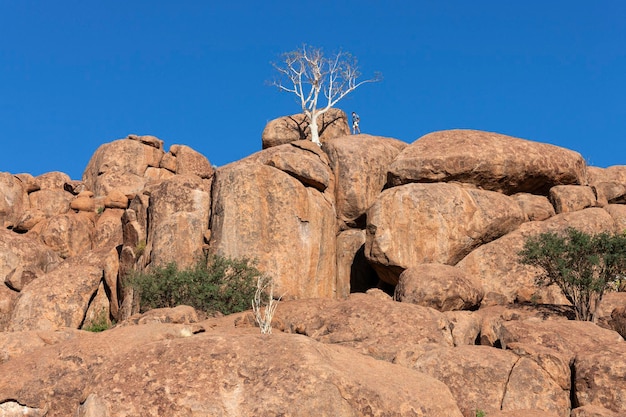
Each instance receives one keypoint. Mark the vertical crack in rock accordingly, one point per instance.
(506, 384)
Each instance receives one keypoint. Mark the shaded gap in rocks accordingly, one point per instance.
(362, 275)
(477, 340)
(82, 322)
(573, 398)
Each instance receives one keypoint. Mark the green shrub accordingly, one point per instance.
(583, 266)
(480, 413)
(99, 323)
(211, 285)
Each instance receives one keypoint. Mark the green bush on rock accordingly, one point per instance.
(214, 284)
(583, 266)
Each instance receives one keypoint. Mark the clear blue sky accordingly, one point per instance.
(77, 74)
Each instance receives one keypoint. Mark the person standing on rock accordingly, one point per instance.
(355, 123)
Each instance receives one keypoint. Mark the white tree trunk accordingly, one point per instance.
(315, 137)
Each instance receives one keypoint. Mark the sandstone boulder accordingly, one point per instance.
(53, 180)
(84, 202)
(61, 297)
(566, 198)
(121, 165)
(68, 234)
(261, 212)
(12, 200)
(381, 328)
(593, 411)
(615, 173)
(332, 124)
(147, 374)
(360, 164)
(191, 162)
(504, 279)
(178, 217)
(535, 207)
(492, 161)
(618, 213)
(609, 193)
(434, 223)
(50, 201)
(442, 287)
(601, 377)
(23, 259)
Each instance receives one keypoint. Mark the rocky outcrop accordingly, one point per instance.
(360, 164)
(280, 217)
(286, 129)
(492, 161)
(442, 287)
(146, 374)
(434, 223)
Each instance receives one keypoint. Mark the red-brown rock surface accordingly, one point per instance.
(490, 160)
(286, 129)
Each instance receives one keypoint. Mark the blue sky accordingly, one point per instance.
(77, 74)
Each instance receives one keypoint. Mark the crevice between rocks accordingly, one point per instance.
(506, 384)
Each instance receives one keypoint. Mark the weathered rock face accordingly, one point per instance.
(146, 374)
(601, 377)
(332, 124)
(380, 328)
(69, 234)
(12, 200)
(190, 162)
(493, 161)
(264, 213)
(534, 207)
(504, 279)
(61, 297)
(442, 287)
(567, 198)
(178, 218)
(121, 165)
(360, 164)
(433, 223)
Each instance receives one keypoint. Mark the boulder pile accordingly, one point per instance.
(402, 291)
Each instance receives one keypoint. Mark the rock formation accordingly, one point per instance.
(341, 228)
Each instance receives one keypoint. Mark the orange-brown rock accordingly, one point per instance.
(601, 377)
(191, 162)
(116, 199)
(84, 202)
(50, 201)
(142, 370)
(264, 213)
(566, 198)
(504, 279)
(61, 297)
(593, 411)
(535, 207)
(610, 193)
(615, 173)
(23, 259)
(354, 273)
(360, 164)
(121, 165)
(177, 219)
(69, 234)
(374, 326)
(29, 183)
(53, 180)
(618, 212)
(12, 200)
(332, 124)
(490, 160)
(442, 287)
(434, 223)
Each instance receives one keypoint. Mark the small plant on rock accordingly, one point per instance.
(214, 284)
(583, 266)
(99, 323)
(263, 304)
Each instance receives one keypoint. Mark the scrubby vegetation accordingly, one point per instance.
(583, 266)
(214, 284)
(99, 323)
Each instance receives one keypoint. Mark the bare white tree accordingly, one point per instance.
(263, 304)
(315, 78)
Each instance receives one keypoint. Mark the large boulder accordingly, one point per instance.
(442, 287)
(504, 279)
(121, 165)
(374, 326)
(61, 297)
(490, 160)
(566, 198)
(190, 162)
(280, 217)
(178, 217)
(69, 234)
(23, 259)
(12, 200)
(286, 129)
(159, 370)
(601, 377)
(360, 164)
(434, 223)
(490, 379)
